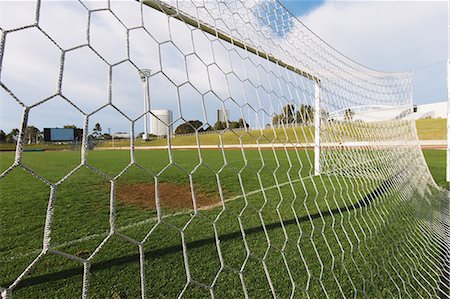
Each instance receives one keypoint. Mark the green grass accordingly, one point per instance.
(303, 134)
(338, 241)
(436, 162)
(427, 129)
(432, 129)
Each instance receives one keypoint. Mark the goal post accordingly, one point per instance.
(280, 167)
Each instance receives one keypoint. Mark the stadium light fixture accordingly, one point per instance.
(145, 74)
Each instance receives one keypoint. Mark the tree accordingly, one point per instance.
(288, 113)
(97, 127)
(2, 136)
(234, 124)
(242, 123)
(189, 127)
(238, 124)
(348, 114)
(73, 127)
(97, 130)
(276, 119)
(12, 136)
(220, 125)
(286, 117)
(305, 115)
(32, 134)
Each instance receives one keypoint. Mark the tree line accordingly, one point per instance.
(303, 115)
(32, 134)
(192, 126)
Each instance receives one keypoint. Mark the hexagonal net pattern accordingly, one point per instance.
(270, 165)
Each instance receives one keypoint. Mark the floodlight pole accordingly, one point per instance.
(317, 123)
(145, 74)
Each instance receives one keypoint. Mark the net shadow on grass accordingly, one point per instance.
(363, 202)
(444, 277)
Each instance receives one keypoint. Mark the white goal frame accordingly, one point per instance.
(164, 8)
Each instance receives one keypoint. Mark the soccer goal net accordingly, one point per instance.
(247, 158)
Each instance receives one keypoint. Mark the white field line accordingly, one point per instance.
(389, 144)
(150, 220)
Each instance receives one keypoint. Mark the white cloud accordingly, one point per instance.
(14, 16)
(65, 22)
(30, 65)
(391, 36)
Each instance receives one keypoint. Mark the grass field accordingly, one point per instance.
(427, 129)
(306, 231)
(432, 129)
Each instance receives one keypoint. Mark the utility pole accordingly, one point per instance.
(145, 74)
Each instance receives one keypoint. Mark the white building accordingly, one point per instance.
(160, 121)
(124, 135)
(433, 110)
(384, 113)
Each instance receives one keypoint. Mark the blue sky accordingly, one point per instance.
(301, 7)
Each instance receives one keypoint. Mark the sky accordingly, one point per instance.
(302, 7)
(392, 36)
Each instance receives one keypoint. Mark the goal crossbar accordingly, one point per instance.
(182, 16)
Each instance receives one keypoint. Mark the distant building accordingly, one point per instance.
(433, 110)
(384, 113)
(63, 134)
(160, 121)
(223, 115)
(124, 135)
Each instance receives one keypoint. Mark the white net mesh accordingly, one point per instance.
(234, 194)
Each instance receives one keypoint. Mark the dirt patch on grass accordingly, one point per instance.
(172, 196)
